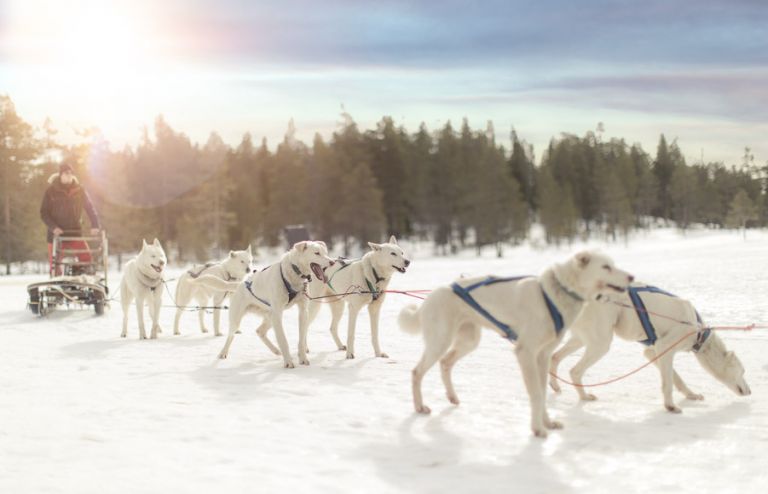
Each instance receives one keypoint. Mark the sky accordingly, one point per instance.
(694, 71)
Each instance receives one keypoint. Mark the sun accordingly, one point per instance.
(97, 57)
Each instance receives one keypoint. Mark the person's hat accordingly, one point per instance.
(65, 167)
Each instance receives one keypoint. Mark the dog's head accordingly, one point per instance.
(724, 365)
(238, 263)
(152, 257)
(312, 256)
(389, 256)
(594, 274)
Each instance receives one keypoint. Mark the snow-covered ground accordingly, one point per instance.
(84, 411)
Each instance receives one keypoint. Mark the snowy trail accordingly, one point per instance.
(84, 411)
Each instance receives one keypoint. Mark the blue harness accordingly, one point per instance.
(463, 293)
(645, 319)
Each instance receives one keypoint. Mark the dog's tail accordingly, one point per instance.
(215, 282)
(409, 319)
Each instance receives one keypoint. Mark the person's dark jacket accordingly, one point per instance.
(63, 207)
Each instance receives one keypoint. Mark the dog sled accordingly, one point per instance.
(78, 276)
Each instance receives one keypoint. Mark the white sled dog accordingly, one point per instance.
(636, 319)
(370, 275)
(143, 280)
(235, 267)
(533, 311)
(270, 292)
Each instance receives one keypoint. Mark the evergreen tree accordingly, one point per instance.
(742, 211)
(18, 148)
(523, 169)
(557, 210)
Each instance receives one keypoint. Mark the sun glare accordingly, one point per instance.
(99, 56)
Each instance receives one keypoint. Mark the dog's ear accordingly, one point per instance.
(143, 242)
(583, 258)
(249, 250)
(156, 242)
(322, 243)
(374, 246)
(392, 240)
(302, 246)
(231, 253)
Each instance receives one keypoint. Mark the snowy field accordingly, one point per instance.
(84, 411)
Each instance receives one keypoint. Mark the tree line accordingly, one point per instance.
(457, 187)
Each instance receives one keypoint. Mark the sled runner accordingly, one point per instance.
(78, 276)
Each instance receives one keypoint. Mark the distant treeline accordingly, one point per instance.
(456, 186)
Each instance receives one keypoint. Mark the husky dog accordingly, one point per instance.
(234, 268)
(531, 310)
(142, 280)
(270, 292)
(370, 275)
(635, 316)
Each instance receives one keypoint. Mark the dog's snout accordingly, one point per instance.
(332, 263)
(162, 263)
(407, 262)
(631, 278)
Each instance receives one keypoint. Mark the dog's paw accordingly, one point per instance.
(673, 408)
(223, 355)
(555, 386)
(304, 361)
(589, 397)
(343, 348)
(423, 409)
(694, 396)
(350, 356)
(203, 330)
(290, 365)
(553, 424)
(382, 355)
(276, 351)
(453, 399)
(540, 433)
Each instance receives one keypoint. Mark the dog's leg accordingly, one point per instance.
(596, 348)
(182, 300)
(202, 301)
(125, 300)
(664, 364)
(236, 313)
(282, 342)
(467, 339)
(573, 344)
(262, 332)
(374, 310)
(438, 337)
(218, 300)
(176, 320)
(337, 310)
(530, 370)
(140, 315)
(155, 300)
(683, 388)
(303, 323)
(543, 359)
(354, 310)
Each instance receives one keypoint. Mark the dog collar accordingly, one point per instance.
(296, 270)
(567, 290)
(150, 282)
(701, 338)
